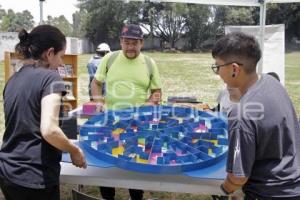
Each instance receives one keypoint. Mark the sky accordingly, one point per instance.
(54, 8)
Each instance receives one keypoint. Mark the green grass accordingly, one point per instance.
(292, 79)
(182, 74)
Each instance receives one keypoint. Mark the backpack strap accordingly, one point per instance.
(149, 66)
(111, 60)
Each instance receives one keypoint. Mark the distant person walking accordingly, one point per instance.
(94, 62)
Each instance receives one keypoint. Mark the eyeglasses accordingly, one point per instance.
(216, 67)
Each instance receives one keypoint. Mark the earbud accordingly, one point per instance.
(233, 73)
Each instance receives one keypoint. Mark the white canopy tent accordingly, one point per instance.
(261, 3)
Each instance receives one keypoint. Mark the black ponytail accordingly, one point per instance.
(22, 47)
(41, 38)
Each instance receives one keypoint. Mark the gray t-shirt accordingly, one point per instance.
(264, 142)
(26, 158)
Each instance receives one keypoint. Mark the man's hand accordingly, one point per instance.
(233, 183)
(100, 107)
(96, 90)
(155, 97)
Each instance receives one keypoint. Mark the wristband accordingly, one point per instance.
(223, 190)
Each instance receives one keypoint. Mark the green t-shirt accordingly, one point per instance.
(127, 81)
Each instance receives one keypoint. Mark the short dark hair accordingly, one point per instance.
(274, 74)
(41, 38)
(239, 47)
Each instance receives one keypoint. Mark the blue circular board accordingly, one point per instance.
(156, 139)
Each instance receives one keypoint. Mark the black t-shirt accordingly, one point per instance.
(26, 159)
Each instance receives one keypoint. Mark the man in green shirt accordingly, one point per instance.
(132, 79)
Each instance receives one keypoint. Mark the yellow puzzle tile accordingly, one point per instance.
(215, 142)
(117, 151)
(118, 131)
(139, 160)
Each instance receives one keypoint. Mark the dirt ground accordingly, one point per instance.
(122, 194)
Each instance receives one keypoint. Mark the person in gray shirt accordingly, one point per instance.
(264, 133)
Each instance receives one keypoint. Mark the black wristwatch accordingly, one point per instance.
(223, 190)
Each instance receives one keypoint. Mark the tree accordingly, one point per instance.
(105, 18)
(15, 21)
(79, 21)
(147, 15)
(198, 25)
(2, 13)
(169, 23)
(61, 23)
(240, 16)
(288, 14)
(229, 15)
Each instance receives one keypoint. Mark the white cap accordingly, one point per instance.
(103, 47)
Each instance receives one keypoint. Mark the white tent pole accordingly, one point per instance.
(262, 23)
